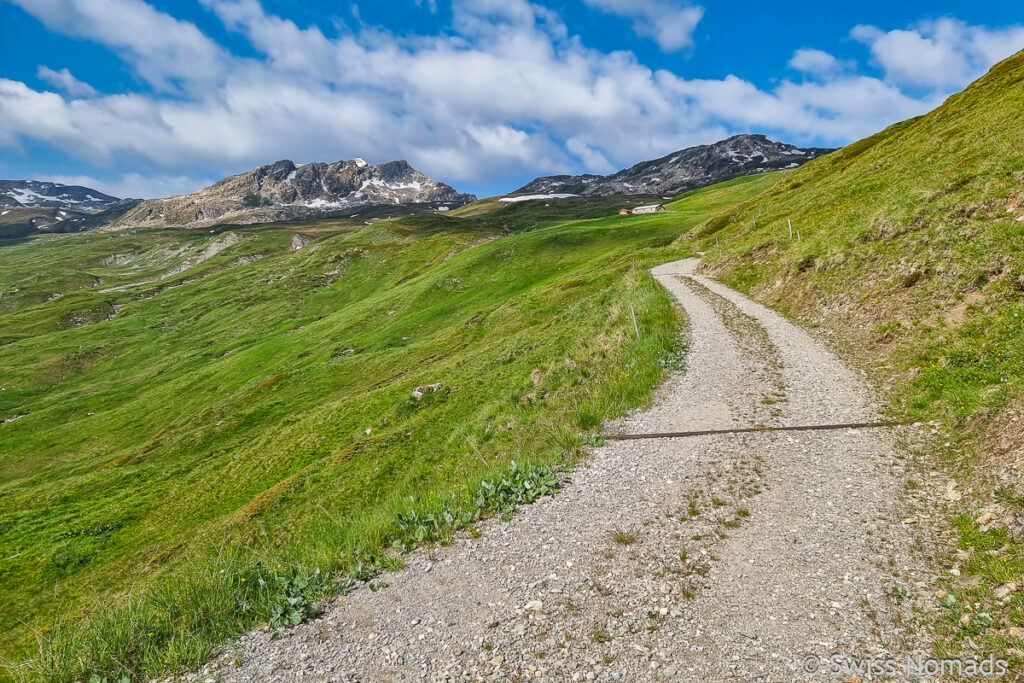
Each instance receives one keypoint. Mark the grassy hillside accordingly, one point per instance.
(217, 424)
(908, 249)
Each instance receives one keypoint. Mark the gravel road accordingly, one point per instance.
(736, 555)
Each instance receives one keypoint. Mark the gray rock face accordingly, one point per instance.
(285, 190)
(46, 195)
(684, 170)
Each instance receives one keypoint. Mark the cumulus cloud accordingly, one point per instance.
(134, 185)
(165, 51)
(64, 80)
(507, 92)
(945, 53)
(670, 24)
(815, 62)
(845, 108)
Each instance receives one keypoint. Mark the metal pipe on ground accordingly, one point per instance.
(749, 430)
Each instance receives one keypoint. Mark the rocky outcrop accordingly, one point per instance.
(299, 241)
(684, 170)
(285, 190)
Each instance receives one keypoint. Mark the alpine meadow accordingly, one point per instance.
(295, 386)
(253, 413)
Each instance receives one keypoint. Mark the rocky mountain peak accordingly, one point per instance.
(285, 190)
(685, 169)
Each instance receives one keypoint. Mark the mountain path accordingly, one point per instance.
(743, 552)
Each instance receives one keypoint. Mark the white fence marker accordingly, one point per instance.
(635, 328)
(790, 221)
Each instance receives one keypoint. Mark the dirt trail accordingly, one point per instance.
(748, 552)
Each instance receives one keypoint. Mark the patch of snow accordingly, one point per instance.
(442, 208)
(26, 196)
(414, 185)
(359, 162)
(5, 212)
(291, 177)
(60, 218)
(324, 204)
(30, 196)
(62, 212)
(528, 197)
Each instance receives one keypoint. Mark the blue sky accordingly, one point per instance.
(152, 98)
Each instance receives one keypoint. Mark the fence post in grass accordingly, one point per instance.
(635, 327)
(797, 235)
(790, 221)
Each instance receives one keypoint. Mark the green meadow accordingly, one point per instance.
(205, 430)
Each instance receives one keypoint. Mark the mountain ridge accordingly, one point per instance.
(285, 190)
(44, 194)
(685, 169)
(31, 207)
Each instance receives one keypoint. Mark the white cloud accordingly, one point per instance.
(168, 53)
(64, 80)
(593, 160)
(815, 62)
(669, 23)
(505, 93)
(134, 185)
(842, 109)
(941, 54)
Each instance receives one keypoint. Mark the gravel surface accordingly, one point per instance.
(714, 558)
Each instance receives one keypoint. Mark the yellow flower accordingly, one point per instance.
(243, 579)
